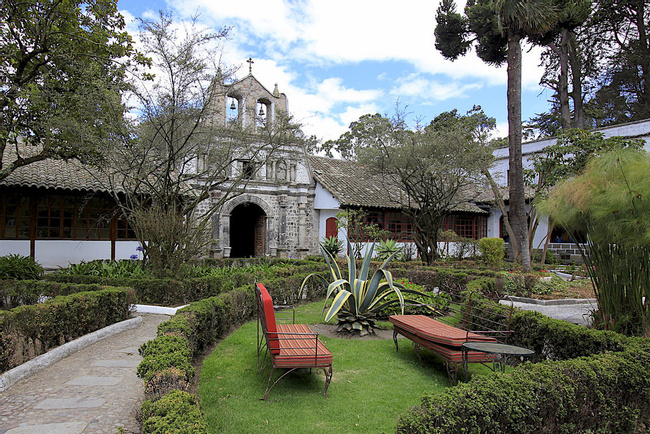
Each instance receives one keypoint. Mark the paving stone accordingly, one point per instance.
(117, 363)
(94, 381)
(79, 388)
(51, 428)
(64, 403)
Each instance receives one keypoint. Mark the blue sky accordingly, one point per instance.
(339, 59)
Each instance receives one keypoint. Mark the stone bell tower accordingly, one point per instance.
(274, 214)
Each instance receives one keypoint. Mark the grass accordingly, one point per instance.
(372, 384)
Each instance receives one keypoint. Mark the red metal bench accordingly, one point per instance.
(287, 346)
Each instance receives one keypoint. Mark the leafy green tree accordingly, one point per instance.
(609, 201)
(498, 27)
(62, 66)
(359, 230)
(434, 166)
(609, 67)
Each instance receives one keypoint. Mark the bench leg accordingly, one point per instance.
(417, 349)
(395, 339)
(328, 377)
(268, 389)
(452, 371)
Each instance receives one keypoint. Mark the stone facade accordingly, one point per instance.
(275, 214)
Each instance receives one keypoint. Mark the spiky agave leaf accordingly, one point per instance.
(338, 302)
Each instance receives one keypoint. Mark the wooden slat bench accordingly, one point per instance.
(446, 340)
(287, 346)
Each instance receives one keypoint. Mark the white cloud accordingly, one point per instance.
(297, 36)
(343, 31)
(501, 129)
(417, 85)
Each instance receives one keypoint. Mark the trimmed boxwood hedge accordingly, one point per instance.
(171, 292)
(200, 325)
(28, 331)
(607, 392)
(14, 293)
(181, 339)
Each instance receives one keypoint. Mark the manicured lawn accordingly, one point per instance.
(371, 386)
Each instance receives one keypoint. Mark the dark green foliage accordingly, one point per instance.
(284, 278)
(483, 285)
(560, 340)
(113, 269)
(170, 355)
(387, 248)
(492, 251)
(451, 33)
(32, 330)
(20, 268)
(182, 338)
(176, 412)
(332, 245)
(602, 393)
(14, 293)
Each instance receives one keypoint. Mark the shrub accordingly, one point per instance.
(20, 268)
(358, 298)
(14, 293)
(332, 245)
(163, 382)
(176, 412)
(492, 251)
(166, 365)
(603, 393)
(34, 329)
(387, 248)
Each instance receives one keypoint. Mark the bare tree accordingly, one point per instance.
(182, 161)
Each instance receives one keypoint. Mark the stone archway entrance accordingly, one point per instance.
(247, 231)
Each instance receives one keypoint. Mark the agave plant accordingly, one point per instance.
(332, 245)
(359, 296)
(387, 248)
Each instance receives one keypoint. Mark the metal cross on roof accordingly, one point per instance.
(250, 65)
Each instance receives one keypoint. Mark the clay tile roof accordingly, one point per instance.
(53, 173)
(353, 185)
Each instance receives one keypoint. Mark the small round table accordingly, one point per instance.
(500, 353)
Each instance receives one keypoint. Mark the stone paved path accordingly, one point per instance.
(94, 390)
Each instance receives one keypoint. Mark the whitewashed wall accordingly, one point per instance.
(60, 253)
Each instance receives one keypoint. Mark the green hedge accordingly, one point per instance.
(285, 281)
(560, 340)
(28, 331)
(14, 293)
(603, 393)
(176, 412)
(167, 359)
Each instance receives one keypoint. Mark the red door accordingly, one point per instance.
(330, 228)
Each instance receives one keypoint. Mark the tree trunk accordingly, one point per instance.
(576, 91)
(563, 80)
(517, 214)
(502, 206)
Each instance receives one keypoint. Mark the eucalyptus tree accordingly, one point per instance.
(62, 66)
(497, 29)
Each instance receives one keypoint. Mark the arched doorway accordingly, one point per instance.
(247, 231)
